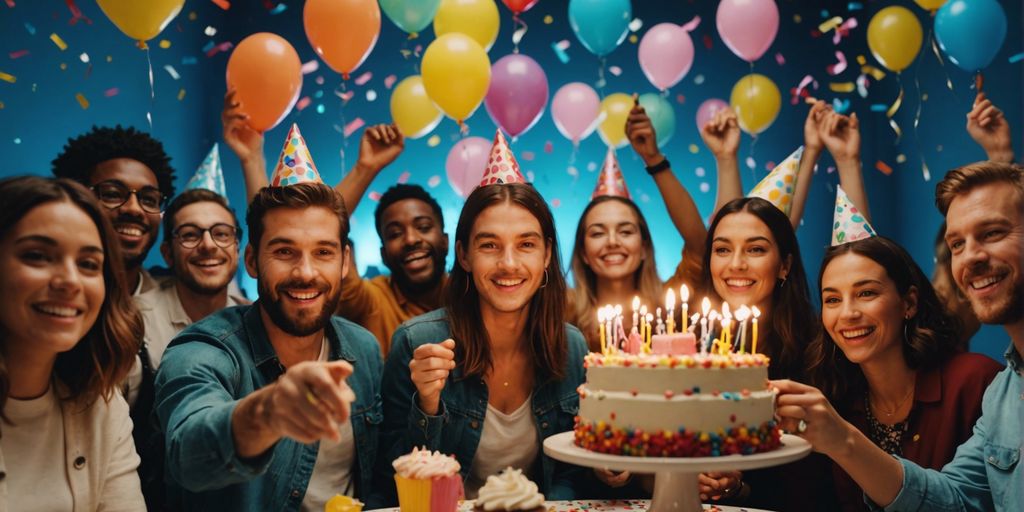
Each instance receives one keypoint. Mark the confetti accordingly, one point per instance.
(223, 47)
(797, 18)
(10, 3)
(879, 107)
(63, 66)
(434, 181)
(31, 29)
(751, 163)
(7, 77)
(354, 125)
(559, 49)
(110, 93)
(278, 9)
(900, 158)
(374, 196)
(192, 16)
(844, 30)
(76, 13)
(319, 80)
(404, 177)
(58, 41)
(303, 103)
(707, 41)
(831, 169)
(528, 156)
(188, 61)
(694, 149)
(800, 91)
(699, 79)
(84, 58)
(780, 60)
(318, 94)
(310, 67)
(555, 203)
(345, 96)
(17, 140)
(549, 19)
(938, 148)
(572, 171)
(681, 99)
(165, 44)
(210, 31)
(704, 187)
(363, 78)
(548, 147)
(171, 71)
(517, 36)
(389, 81)
(839, 66)
(1, 105)
(883, 167)
(223, 4)
(208, 46)
(82, 101)
(1016, 58)
(633, 39)
(644, 198)
(875, 73)
(181, 94)
(854, 6)
(862, 86)
(18, 54)
(840, 107)
(371, 95)
(842, 86)
(615, 70)
(636, 24)
(592, 166)
(320, 109)
(700, 172)
(829, 24)
(433, 141)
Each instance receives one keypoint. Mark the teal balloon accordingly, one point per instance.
(663, 116)
(971, 32)
(410, 15)
(601, 25)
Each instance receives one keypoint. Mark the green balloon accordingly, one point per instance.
(663, 116)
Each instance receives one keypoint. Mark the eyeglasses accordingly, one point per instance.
(190, 236)
(114, 194)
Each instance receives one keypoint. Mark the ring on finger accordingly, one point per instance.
(801, 427)
(311, 398)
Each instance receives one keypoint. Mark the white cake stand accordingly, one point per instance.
(675, 482)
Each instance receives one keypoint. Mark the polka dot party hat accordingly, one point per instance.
(295, 165)
(848, 223)
(502, 166)
(610, 182)
(209, 175)
(777, 187)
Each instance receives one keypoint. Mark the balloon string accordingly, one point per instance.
(519, 32)
(152, 89)
(344, 135)
(942, 62)
(925, 173)
(572, 160)
(600, 78)
(891, 112)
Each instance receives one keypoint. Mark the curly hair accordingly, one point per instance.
(82, 154)
(401, 192)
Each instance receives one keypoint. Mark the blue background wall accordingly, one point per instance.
(40, 110)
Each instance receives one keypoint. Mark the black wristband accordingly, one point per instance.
(656, 168)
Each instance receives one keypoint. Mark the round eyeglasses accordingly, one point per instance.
(114, 194)
(190, 236)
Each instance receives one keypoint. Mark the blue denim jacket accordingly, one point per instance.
(204, 373)
(987, 472)
(459, 423)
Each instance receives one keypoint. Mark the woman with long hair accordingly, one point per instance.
(69, 337)
(887, 358)
(495, 372)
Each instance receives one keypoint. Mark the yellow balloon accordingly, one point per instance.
(412, 110)
(456, 73)
(894, 36)
(141, 21)
(475, 18)
(614, 111)
(931, 5)
(757, 101)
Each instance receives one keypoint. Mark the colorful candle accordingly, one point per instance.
(600, 326)
(726, 322)
(636, 313)
(670, 306)
(684, 297)
(756, 312)
(705, 308)
(648, 317)
(742, 314)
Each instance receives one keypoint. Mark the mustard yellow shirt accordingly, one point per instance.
(378, 305)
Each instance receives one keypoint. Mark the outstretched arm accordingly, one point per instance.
(812, 150)
(722, 137)
(246, 143)
(379, 146)
(841, 135)
(989, 128)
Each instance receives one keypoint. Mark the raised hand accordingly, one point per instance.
(309, 400)
(989, 128)
(640, 133)
(243, 140)
(812, 126)
(429, 370)
(722, 134)
(379, 146)
(841, 135)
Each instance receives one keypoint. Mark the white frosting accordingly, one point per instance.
(423, 464)
(654, 413)
(510, 490)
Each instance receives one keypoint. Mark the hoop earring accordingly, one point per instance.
(545, 283)
(469, 277)
(783, 283)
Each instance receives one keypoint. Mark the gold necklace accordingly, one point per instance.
(899, 405)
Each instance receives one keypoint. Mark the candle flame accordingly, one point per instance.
(742, 314)
(725, 310)
(705, 306)
(618, 309)
(684, 293)
(670, 299)
(756, 312)
(600, 315)
(636, 302)
(643, 310)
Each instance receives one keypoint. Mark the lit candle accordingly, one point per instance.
(705, 307)
(643, 323)
(648, 317)
(670, 306)
(636, 313)
(742, 314)
(756, 312)
(694, 318)
(684, 297)
(726, 346)
(609, 314)
(726, 322)
(620, 334)
(600, 326)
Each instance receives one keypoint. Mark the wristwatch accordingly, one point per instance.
(658, 167)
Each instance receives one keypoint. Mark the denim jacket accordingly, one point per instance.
(987, 472)
(206, 370)
(457, 427)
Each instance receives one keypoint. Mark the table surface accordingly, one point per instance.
(599, 506)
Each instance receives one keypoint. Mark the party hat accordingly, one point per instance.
(610, 182)
(209, 175)
(849, 224)
(777, 187)
(502, 166)
(295, 165)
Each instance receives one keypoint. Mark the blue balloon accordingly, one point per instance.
(663, 116)
(971, 32)
(411, 16)
(601, 25)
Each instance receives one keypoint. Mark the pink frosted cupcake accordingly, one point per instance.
(427, 482)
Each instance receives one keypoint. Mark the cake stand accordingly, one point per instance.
(675, 482)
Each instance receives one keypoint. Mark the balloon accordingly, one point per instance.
(518, 93)
(600, 25)
(575, 109)
(971, 33)
(266, 72)
(456, 74)
(141, 21)
(756, 100)
(894, 36)
(707, 111)
(520, 6)
(342, 32)
(666, 54)
(466, 163)
(930, 5)
(412, 110)
(663, 116)
(615, 109)
(475, 18)
(748, 27)
(411, 16)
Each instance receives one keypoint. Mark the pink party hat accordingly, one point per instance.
(295, 165)
(611, 182)
(777, 187)
(849, 224)
(502, 166)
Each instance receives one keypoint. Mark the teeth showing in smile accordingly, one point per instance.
(209, 262)
(415, 256)
(856, 333)
(128, 230)
(303, 296)
(739, 282)
(981, 283)
(614, 258)
(509, 282)
(58, 311)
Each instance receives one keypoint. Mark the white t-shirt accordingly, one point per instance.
(332, 473)
(506, 440)
(33, 449)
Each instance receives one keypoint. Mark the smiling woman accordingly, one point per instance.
(69, 338)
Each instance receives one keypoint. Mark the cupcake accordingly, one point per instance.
(509, 491)
(427, 482)
(341, 503)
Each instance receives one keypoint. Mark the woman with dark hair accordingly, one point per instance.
(69, 337)
(897, 375)
(495, 372)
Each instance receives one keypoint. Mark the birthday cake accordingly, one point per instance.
(676, 405)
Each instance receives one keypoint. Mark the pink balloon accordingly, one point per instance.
(518, 93)
(707, 110)
(466, 163)
(575, 109)
(666, 54)
(748, 27)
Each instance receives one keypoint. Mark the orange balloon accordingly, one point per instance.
(267, 73)
(342, 32)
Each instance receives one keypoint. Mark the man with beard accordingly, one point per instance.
(984, 208)
(275, 406)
